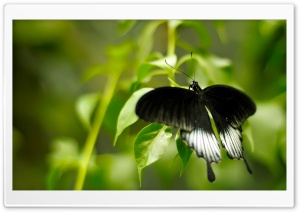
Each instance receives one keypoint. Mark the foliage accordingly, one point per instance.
(76, 84)
(150, 144)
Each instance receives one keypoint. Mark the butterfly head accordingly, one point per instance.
(195, 87)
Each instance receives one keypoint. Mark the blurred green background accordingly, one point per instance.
(63, 70)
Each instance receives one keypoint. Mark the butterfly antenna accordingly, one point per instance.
(178, 70)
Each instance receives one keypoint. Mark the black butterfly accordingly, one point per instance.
(187, 109)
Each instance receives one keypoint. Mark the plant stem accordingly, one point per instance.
(171, 38)
(92, 137)
(171, 44)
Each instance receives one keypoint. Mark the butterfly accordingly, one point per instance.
(188, 110)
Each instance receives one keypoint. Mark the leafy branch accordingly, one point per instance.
(108, 93)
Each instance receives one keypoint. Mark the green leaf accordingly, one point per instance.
(63, 157)
(85, 106)
(52, 176)
(213, 67)
(111, 116)
(93, 71)
(145, 71)
(174, 84)
(220, 27)
(145, 42)
(125, 26)
(154, 56)
(64, 152)
(134, 87)
(171, 60)
(119, 53)
(150, 145)
(183, 150)
(127, 115)
(219, 62)
(184, 59)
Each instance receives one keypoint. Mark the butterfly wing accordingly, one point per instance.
(172, 106)
(229, 108)
(183, 109)
(203, 140)
(230, 103)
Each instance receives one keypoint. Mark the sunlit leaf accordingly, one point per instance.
(146, 70)
(150, 144)
(183, 150)
(171, 60)
(219, 62)
(127, 115)
(85, 106)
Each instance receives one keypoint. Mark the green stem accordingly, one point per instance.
(92, 137)
(171, 45)
(171, 39)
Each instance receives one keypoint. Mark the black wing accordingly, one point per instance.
(172, 106)
(230, 103)
(203, 140)
(229, 108)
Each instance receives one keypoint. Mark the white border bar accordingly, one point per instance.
(150, 198)
(148, 11)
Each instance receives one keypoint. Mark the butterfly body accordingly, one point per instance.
(187, 109)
